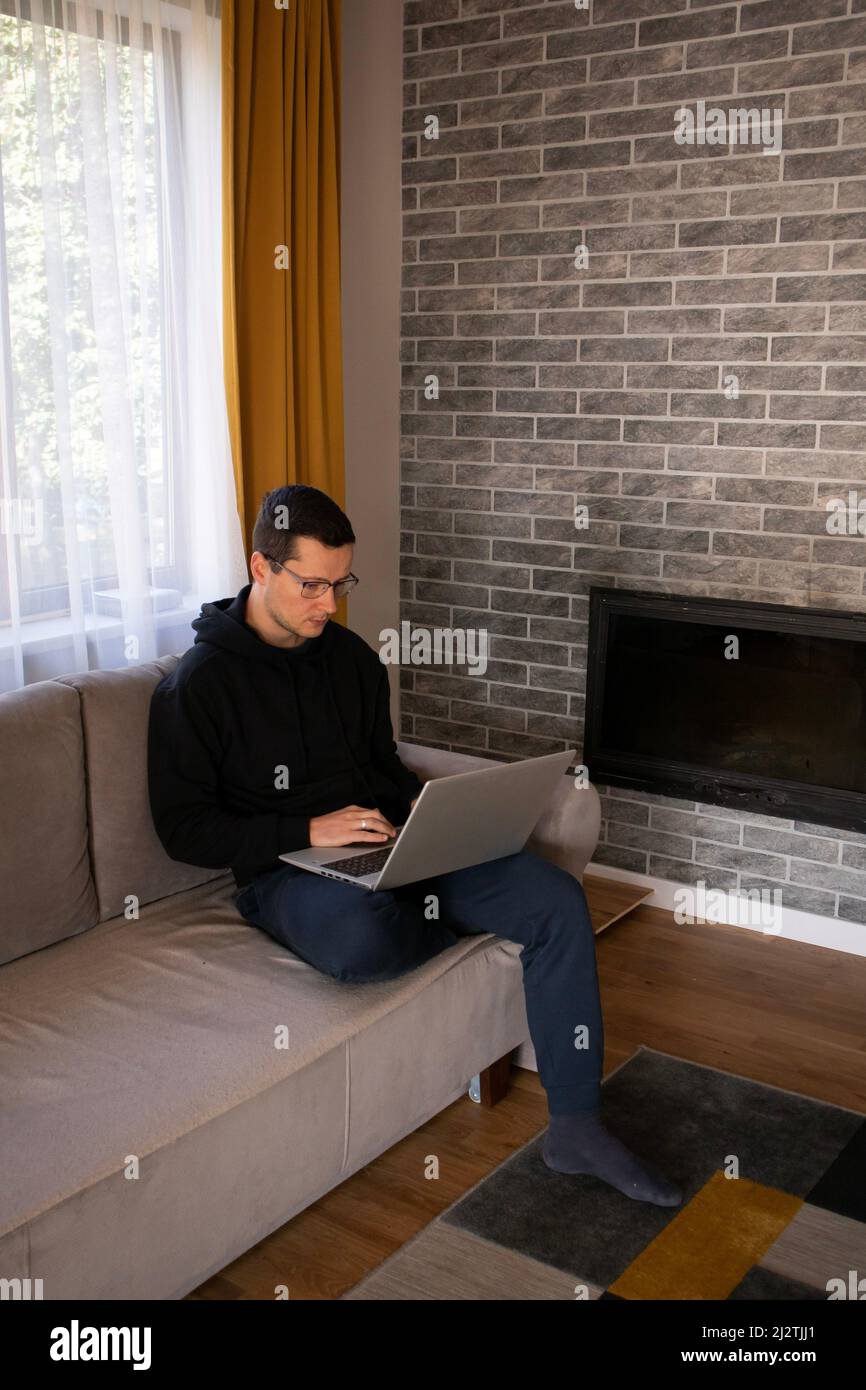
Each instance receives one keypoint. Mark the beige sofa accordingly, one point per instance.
(150, 1129)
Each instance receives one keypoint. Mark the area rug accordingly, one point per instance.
(774, 1204)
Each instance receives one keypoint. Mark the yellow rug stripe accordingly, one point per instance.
(712, 1243)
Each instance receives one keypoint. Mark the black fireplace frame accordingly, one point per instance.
(837, 808)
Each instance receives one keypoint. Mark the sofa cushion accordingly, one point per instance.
(46, 889)
(128, 858)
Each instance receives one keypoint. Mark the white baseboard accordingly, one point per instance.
(829, 932)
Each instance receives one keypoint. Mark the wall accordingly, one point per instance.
(370, 237)
(604, 386)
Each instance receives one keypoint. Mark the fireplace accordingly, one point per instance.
(754, 706)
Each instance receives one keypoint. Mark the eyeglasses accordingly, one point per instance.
(314, 588)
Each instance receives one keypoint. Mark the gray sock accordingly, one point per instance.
(580, 1144)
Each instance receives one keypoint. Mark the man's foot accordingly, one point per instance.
(581, 1144)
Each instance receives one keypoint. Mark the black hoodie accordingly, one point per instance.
(236, 711)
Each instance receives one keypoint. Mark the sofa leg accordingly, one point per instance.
(495, 1080)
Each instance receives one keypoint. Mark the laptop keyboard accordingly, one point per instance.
(359, 865)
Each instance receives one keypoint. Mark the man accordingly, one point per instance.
(274, 733)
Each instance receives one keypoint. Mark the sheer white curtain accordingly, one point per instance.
(118, 514)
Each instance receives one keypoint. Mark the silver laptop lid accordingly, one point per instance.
(472, 817)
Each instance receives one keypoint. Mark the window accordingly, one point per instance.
(116, 474)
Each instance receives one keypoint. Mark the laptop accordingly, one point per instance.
(464, 819)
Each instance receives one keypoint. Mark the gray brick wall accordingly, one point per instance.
(603, 386)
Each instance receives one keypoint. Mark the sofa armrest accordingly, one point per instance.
(567, 831)
(428, 763)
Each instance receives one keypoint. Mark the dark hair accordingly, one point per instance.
(308, 512)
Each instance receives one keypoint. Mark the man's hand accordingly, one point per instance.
(344, 827)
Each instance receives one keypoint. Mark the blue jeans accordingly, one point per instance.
(355, 935)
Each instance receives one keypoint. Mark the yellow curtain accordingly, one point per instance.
(281, 189)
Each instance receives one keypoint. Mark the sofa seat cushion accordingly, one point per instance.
(121, 1040)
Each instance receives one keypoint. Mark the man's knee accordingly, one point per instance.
(556, 893)
(542, 876)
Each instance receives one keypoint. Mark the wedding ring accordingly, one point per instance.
(363, 825)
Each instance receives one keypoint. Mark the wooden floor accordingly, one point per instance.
(777, 1011)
